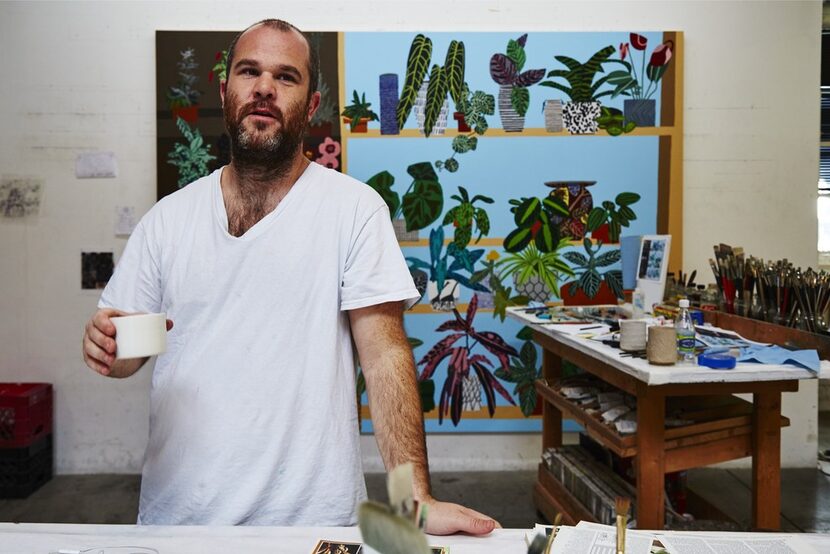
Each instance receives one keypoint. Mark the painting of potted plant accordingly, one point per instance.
(422, 202)
(220, 68)
(640, 107)
(427, 95)
(536, 221)
(468, 366)
(524, 371)
(465, 215)
(580, 115)
(498, 297)
(576, 196)
(447, 271)
(183, 96)
(471, 122)
(514, 96)
(323, 121)
(191, 158)
(613, 121)
(358, 114)
(592, 286)
(536, 274)
(606, 222)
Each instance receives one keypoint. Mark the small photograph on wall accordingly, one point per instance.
(20, 196)
(651, 259)
(96, 269)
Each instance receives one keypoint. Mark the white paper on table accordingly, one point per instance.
(583, 540)
(125, 220)
(94, 165)
(725, 543)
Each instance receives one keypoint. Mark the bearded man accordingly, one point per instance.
(271, 267)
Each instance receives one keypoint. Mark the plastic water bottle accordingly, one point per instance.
(685, 328)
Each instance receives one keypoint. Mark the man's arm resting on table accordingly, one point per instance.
(389, 370)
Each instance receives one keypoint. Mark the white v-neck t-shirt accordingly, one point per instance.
(252, 408)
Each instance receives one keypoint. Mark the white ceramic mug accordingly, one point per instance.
(140, 335)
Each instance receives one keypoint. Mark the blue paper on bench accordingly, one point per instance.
(808, 359)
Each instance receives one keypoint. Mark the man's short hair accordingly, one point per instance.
(284, 26)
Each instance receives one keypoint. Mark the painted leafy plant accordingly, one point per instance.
(443, 79)
(581, 86)
(587, 267)
(184, 92)
(423, 201)
(440, 267)
(523, 372)
(535, 221)
(462, 361)
(474, 107)
(191, 158)
(465, 214)
(506, 69)
(220, 68)
(629, 82)
(503, 296)
(617, 214)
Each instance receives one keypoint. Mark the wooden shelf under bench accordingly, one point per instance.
(722, 428)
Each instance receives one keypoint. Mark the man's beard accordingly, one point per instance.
(265, 155)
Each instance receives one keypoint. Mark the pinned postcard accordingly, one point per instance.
(20, 196)
(340, 547)
(96, 165)
(124, 220)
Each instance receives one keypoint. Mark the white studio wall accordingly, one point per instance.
(80, 77)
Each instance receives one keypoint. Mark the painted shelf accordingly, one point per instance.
(664, 131)
(490, 241)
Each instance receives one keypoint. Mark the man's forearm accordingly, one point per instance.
(396, 413)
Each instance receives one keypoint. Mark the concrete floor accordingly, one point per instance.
(505, 496)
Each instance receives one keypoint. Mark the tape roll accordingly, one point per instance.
(662, 345)
(632, 335)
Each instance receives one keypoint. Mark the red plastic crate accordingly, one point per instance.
(25, 413)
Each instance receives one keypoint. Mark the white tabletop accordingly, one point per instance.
(34, 538)
(40, 538)
(662, 375)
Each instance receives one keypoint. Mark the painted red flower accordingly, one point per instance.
(329, 147)
(218, 55)
(623, 50)
(662, 54)
(210, 77)
(638, 42)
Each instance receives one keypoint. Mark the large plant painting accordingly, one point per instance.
(466, 139)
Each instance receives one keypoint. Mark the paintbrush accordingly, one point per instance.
(621, 506)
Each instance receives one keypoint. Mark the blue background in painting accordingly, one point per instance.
(501, 167)
(368, 55)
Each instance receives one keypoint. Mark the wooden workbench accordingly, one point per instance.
(658, 450)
